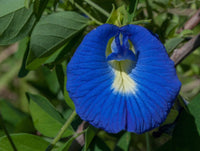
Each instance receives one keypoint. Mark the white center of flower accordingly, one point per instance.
(122, 82)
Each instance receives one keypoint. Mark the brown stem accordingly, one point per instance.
(192, 22)
(180, 53)
(79, 142)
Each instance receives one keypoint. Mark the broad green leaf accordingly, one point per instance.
(171, 44)
(89, 135)
(65, 52)
(123, 143)
(51, 33)
(45, 117)
(16, 21)
(24, 142)
(7, 8)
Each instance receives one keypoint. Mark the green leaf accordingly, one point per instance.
(51, 33)
(45, 117)
(194, 108)
(24, 45)
(171, 117)
(131, 10)
(68, 100)
(60, 76)
(16, 21)
(98, 145)
(171, 44)
(51, 79)
(89, 135)
(39, 6)
(67, 145)
(186, 135)
(123, 143)
(23, 142)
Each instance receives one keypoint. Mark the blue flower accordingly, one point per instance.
(121, 78)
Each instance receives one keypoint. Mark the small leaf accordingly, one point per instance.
(45, 117)
(68, 100)
(51, 33)
(132, 9)
(24, 45)
(67, 145)
(123, 143)
(16, 21)
(171, 44)
(89, 135)
(23, 142)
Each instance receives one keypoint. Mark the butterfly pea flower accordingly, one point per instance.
(121, 78)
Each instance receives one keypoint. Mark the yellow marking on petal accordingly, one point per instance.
(122, 82)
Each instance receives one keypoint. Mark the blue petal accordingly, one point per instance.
(126, 90)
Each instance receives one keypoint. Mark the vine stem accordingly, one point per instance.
(147, 141)
(62, 130)
(7, 134)
(85, 12)
(98, 8)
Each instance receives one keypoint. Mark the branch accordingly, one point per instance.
(192, 22)
(180, 53)
(79, 142)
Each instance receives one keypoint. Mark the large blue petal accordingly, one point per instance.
(96, 84)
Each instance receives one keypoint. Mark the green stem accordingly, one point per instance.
(65, 126)
(7, 134)
(62, 130)
(147, 141)
(141, 21)
(98, 8)
(85, 12)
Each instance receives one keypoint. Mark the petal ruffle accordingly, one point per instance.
(90, 79)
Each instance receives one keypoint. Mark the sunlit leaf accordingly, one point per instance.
(45, 117)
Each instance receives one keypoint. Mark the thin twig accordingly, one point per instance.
(7, 134)
(85, 12)
(104, 12)
(79, 142)
(180, 53)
